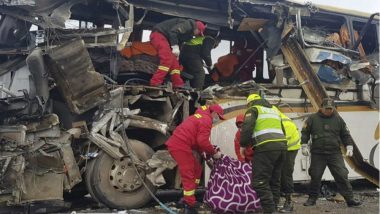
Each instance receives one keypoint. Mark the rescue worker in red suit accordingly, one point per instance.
(193, 135)
(166, 38)
(248, 152)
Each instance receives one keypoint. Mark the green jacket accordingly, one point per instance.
(198, 48)
(176, 30)
(249, 124)
(326, 133)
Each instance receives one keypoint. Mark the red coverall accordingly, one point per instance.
(192, 134)
(248, 152)
(168, 61)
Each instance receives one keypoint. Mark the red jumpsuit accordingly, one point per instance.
(192, 134)
(248, 152)
(168, 61)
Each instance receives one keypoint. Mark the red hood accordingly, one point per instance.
(240, 118)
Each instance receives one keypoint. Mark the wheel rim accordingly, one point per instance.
(123, 176)
(127, 197)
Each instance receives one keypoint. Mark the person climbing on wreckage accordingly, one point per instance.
(193, 135)
(194, 53)
(166, 38)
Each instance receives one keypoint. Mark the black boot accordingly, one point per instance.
(311, 201)
(190, 210)
(288, 205)
(353, 203)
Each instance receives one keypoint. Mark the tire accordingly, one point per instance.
(105, 186)
(88, 176)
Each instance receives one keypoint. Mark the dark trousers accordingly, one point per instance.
(194, 66)
(287, 185)
(266, 173)
(338, 170)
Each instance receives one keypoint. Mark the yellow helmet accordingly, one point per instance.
(253, 97)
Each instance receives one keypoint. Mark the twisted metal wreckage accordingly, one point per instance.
(76, 117)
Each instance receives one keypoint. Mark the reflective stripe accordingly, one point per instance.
(189, 193)
(268, 126)
(268, 141)
(267, 131)
(197, 181)
(204, 108)
(197, 116)
(269, 138)
(175, 71)
(266, 116)
(294, 143)
(163, 68)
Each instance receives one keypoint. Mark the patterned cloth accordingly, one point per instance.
(229, 187)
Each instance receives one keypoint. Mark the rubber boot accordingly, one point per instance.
(311, 201)
(190, 210)
(288, 205)
(353, 203)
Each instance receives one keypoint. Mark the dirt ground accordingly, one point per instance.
(331, 203)
(334, 205)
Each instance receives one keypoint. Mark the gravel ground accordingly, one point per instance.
(368, 195)
(369, 198)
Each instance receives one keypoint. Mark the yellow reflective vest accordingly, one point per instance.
(268, 126)
(292, 134)
(196, 41)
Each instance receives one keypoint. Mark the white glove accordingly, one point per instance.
(217, 155)
(175, 50)
(305, 150)
(350, 151)
(242, 152)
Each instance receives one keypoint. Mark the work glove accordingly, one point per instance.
(350, 151)
(175, 50)
(305, 150)
(217, 155)
(242, 152)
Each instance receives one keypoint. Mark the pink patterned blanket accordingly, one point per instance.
(229, 187)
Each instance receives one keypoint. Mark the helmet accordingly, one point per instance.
(253, 97)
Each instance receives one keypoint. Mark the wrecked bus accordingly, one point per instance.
(77, 116)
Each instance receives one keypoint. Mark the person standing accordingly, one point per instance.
(327, 131)
(193, 135)
(193, 54)
(262, 129)
(248, 153)
(294, 144)
(166, 37)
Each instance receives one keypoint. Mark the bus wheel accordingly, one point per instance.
(116, 183)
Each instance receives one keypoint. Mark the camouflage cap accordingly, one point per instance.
(328, 103)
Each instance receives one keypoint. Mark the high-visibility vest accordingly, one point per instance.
(268, 126)
(292, 134)
(196, 41)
